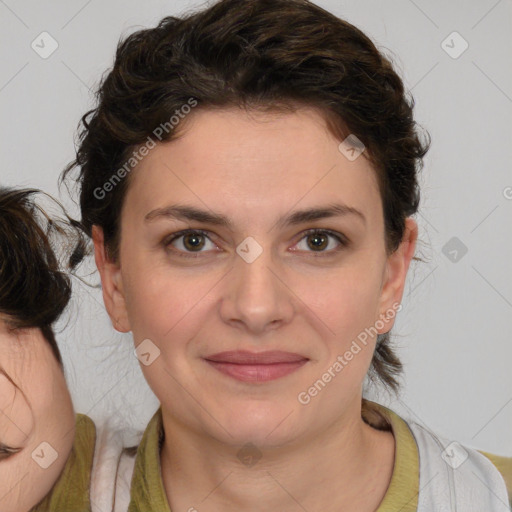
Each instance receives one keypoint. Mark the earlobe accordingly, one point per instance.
(111, 281)
(395, 275)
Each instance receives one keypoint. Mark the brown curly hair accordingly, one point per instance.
(257, 54)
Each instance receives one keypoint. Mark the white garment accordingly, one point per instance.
(456, 478)
(112, 468)
(475, 485)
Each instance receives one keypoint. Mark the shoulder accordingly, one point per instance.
(101, 465)
(504, 466)
(85, 431)
(466, 468)
(71, 491)
(419, 448)
(112, 468)
(126, 473)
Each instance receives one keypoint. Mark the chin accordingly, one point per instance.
(263, 424)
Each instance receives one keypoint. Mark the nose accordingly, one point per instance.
(256, 296)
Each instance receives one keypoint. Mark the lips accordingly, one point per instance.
(252, 367)
(255, 358)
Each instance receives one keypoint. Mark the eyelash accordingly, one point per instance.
(6, 451)
(344, 242)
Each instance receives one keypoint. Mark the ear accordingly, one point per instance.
(395, 274)
(111, 281)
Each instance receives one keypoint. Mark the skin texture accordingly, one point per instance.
(35, 408)
(253, 169)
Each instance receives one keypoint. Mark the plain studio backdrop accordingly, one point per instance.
(452, 334)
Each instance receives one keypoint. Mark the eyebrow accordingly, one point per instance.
(184, 212)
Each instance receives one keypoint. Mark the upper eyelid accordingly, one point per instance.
(7, 451)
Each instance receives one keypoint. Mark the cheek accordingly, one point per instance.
(347, 304)
(345, 300)
(164, 305)
(36, 481)
(52, 400)
(16, 420)
(152, 308)
(146, 294)
(20, 427)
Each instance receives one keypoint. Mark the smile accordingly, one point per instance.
(257, 372)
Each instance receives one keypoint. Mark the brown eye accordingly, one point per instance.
(192, 241)
(318, 240)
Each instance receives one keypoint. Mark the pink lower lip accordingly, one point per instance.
(257, 372)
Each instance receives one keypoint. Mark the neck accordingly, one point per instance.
(347, 463)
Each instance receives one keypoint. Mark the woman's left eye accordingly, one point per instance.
(319, 239)
(6, 451)
(193, 240)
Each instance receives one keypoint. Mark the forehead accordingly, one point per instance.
(25, 351)
(252, 162)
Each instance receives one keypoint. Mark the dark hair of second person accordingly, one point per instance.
(34, 290)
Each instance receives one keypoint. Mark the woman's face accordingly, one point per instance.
(258, 282)
(36, 416)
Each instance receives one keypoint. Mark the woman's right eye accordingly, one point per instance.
(190, 240)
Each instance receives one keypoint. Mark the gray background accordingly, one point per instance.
(453, 332)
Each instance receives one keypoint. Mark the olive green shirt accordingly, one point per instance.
(71, 492)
